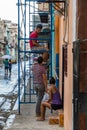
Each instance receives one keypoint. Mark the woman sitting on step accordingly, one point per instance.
(54, 102)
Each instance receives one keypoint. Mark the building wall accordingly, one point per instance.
(82, 34)
(67, 34)
(77, 29)
(57, 47)
(8, 37)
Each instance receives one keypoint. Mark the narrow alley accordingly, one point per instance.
(57, 31)
(9, 117)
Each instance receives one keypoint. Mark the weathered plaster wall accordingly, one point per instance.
(70, 36)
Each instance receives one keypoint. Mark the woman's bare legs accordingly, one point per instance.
(43, 110)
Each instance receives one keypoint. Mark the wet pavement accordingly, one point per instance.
(27, 120)
(9, 117)
(8, 94)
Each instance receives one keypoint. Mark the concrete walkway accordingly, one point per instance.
(27, 120)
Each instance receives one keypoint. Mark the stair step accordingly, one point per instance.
(61, 119)
(53, 120)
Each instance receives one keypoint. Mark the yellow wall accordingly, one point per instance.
(68, 84)
(56, 34)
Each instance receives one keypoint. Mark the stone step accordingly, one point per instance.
(57, 119)
(61, 119)
(53, 120)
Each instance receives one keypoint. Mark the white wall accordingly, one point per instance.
(74, 19)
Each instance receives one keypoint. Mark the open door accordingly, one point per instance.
(80, 85)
